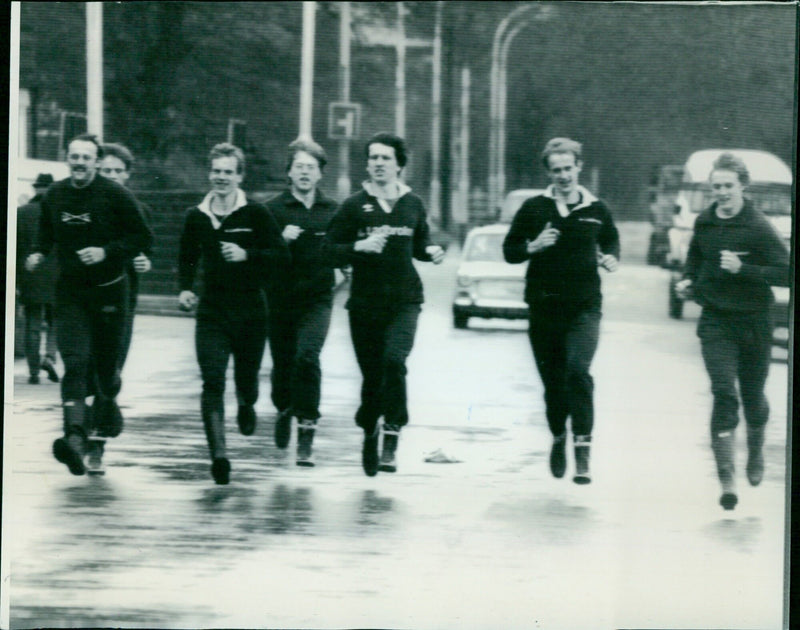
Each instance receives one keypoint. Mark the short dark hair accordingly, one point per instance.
(119, 151)
(729, 162)
(561, 145)
(89, 137)
(306, 146)
(226, 149)
(390, 140)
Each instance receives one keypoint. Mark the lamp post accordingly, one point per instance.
(436, 117)
(343, 181)
(501, 113)
(307, 68)
(94, 68)
(519, 18)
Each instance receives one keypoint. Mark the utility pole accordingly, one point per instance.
(400, 74)
(94, 68)
(343, 182)
(436, 118)
(307, 68)
(463, 167)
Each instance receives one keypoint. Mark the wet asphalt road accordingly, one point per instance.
(490, 542)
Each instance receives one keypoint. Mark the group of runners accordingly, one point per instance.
(268, 273)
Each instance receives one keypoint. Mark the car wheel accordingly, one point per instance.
(675, 302)
(460, 321)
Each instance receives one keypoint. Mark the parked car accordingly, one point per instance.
(770, 190)
(514, 200)
(488, 286)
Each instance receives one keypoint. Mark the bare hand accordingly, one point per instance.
(291, 232)
(608, 262)
(683, 289)
(33, 261)
(187, 300)
(730, 261)
(91, 255)
(231, 252)
(547, 238)
(436, 253)
(373, 244)
(142, 264)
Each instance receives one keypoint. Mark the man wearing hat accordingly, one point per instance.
(36, 291)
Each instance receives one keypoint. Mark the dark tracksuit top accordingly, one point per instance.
(388, 279)
(765, 264)
(567, 271)
(133, 275)
(385, 296)
(735, 327)
(563, 291)
(300, 296)
(91, 300)
(307, 277)
(102, 214)
(252, 228)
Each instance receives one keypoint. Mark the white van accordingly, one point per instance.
(770, 190)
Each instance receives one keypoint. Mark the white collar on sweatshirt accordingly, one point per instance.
(205, 207)
(373, 190)
(587, 198)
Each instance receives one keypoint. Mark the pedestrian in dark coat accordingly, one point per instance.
(36, 290)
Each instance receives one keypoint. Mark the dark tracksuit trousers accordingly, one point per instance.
(90, 325)
(38, 316)
(736, 346)
(296, 338)
(383, 339)
(233, 324)
(133, 294)
(564, 339)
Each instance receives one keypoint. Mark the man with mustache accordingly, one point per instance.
(300, 295)
(237, 242)
(564, 235)
(380, 230)
(96, 228)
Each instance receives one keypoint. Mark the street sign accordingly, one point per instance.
(343, 120)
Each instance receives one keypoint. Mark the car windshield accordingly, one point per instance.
(485, 248)
(772, 200)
